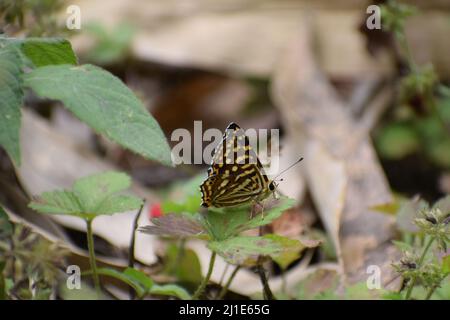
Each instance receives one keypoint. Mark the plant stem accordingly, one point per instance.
(132, 245)
(133, 237)
(433, 288)
(222, 277)
(422, 258)
(283, 282)
(424, 253)
(90, 240)
(410, 288)
(205, 280)
(430, 292)
(267, 293)
(224, 290)
(180, 254)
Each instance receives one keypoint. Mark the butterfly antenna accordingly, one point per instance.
(287, 169)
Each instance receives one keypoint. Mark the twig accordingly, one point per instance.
(132, 245)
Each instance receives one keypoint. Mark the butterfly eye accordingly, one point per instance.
(271, 186)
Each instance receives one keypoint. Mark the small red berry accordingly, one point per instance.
(155, 211)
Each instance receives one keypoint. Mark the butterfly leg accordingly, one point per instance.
(262, 210)
(252, 210)
(275, 195)
(261, 207)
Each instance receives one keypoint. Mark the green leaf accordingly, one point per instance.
(223, 223)
(57, 202)
(6, 228)
(190, 205)
(443, 292)
(110, 47)
(103, 102)
(183, 263)
(170, 290)
(439, 152)
(392, 295)
(138, 280)
(246, 250)
(94, 189)
(117, 204)
(293, 252)
(390, 208)
(397, 140)
(446, 264)
(394, 15)
(139, 277)
(47, 51)
(143, 284)
(11, 96)
(91, 196)
(276, 209)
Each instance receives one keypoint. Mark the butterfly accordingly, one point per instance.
(236, 175)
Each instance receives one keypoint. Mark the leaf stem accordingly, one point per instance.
(205, 280)
(224, 290)
(422, 258)
(90, 240)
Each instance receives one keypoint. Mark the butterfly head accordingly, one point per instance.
(272, 185)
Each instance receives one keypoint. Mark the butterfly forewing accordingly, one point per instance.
(236, 175)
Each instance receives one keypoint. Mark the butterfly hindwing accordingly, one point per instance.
(236, 175)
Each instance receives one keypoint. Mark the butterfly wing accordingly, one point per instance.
(236, 175)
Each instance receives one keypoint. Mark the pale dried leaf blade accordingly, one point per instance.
(174, 225)
(344, 184)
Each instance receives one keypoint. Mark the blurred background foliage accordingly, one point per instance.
(247, 62)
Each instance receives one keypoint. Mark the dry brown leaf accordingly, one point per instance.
(225, 35)
(174, 224)
(344, 181)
